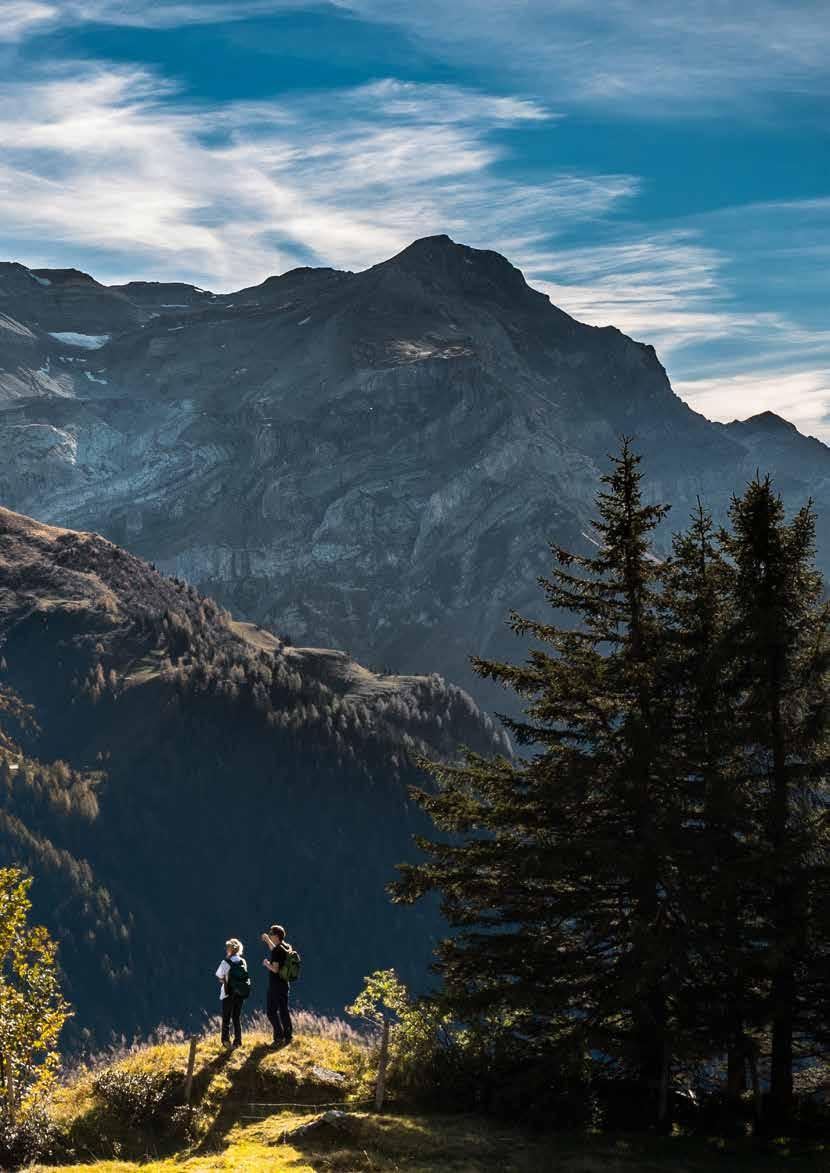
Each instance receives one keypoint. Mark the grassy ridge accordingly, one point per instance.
(125, 1115)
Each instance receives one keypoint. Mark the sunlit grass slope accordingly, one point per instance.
(126, 1116)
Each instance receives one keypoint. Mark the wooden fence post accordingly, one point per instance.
(191, 1063)
(380, 1086)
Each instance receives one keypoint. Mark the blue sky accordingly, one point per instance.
(662, 167)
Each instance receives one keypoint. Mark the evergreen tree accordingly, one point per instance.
(652, 880)
(559, 875)
(780, 648)
(717, 856)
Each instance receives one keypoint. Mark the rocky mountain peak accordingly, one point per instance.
(783, 447)
(374, 461)
(766, 421)
(439, 263)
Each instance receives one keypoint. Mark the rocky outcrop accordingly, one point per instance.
(374, 461)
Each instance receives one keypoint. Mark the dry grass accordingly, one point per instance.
(225, 1086)
(231, 1132)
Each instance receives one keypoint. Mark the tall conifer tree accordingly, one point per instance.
(717, 856)
(780, 647)
(559, 875)
(652, 880)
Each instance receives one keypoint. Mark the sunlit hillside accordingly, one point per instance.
(127, 1113)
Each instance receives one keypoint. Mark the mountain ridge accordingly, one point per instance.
(374, 461)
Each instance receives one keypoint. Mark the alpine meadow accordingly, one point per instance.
(414, 605)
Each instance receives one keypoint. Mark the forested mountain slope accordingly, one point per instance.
(173, 777)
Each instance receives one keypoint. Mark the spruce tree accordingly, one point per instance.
(717, 856)
(780, 648)
(559, 876)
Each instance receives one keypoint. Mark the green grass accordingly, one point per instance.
(226, 1134)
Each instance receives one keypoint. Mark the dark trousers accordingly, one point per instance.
(231, 1010)
(277, 1010)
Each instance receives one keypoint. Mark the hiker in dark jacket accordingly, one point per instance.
(234, 985)
(277, 1005)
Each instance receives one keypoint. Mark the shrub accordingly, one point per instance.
(32, 1007)
(33, 1137)
(138, 1097)
(436, 1062)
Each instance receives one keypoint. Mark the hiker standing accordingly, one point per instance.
(283, 967)
(235, 986)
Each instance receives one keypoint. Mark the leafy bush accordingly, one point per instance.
(138, 1097)
(32, 1007)
(437, 1063)
(420, 1042)
(33, 1137)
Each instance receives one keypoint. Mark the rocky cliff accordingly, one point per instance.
(374, 461)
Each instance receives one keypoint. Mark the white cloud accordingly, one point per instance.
(398, 99)
(665, 288)
(660, 59)
(675, 290)
(157, 13)
(802, 397)
(19, 18)
(103, 159)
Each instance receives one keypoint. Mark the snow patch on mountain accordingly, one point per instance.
(84, 341)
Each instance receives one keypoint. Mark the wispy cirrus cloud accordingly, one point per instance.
(660, 60)
(666, 288)
(20, 18)
(673, 289)
(104, 159)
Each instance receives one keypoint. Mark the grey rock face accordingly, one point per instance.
(373, 461)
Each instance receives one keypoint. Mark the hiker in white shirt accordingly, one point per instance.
(234, 987)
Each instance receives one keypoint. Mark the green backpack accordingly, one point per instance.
(238, 979)
(290, 968)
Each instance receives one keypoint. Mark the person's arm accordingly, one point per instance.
(271, 946)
